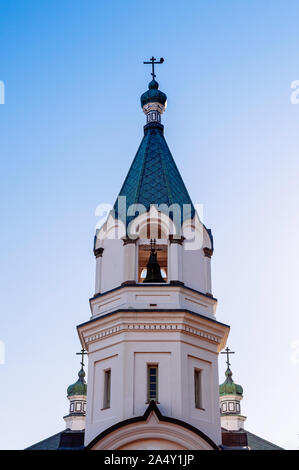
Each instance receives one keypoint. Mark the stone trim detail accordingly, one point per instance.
(176, 283)
(129, 240)
(144, 326)
(178, 240)
(128, 283)
(98, 252)
(208, 252)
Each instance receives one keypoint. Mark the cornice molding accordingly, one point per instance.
(150, 327)
(124, 321)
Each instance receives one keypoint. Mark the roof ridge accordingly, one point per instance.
(43, 440)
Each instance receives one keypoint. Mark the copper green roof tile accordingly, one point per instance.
(229, 387)
(79, 387)
(153, 177)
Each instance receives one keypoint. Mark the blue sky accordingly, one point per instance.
(70, 127)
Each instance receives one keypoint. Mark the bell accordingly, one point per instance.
(153, 273)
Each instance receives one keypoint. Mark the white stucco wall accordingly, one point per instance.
(194, 275)
(112, 264)
(127, 351)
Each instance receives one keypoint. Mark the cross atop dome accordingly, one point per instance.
(227, 351)
(153, 61)
(82, 353)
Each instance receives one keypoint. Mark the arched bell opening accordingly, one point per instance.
(153, 226)
(151, 257)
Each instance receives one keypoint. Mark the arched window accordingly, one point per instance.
(143, 257)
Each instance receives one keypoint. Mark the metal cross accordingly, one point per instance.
(153, 245)
(153, 61)
(82, 354)
(227, 351)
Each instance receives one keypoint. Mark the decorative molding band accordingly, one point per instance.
(175, 239)
(208, 252)
(150, 327)
(98, 252)
(151, 310)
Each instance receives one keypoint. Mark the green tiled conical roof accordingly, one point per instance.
(153, 177)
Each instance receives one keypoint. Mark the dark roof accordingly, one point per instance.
(257, 443)
(64, 440)
(153, 177)
(73, 440)
(50, 443)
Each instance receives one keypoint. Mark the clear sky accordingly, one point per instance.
(70, 127)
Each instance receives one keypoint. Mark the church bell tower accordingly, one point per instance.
(153, 339)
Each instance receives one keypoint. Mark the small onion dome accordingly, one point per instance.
(229, 387)
(153, 95)
(79, 387)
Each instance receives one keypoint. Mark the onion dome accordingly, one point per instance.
(79, 387)
(229, 387)
(153, 95)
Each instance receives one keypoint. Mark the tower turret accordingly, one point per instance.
(76, 394)
(153, 339)
(153, 102)
(231, 395)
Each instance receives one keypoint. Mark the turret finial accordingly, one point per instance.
(153, 101)
(227, 351)
(79, 387)
(76, 393)
(82, 353)
(153, 61)
(231, 395)
(229, 387)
